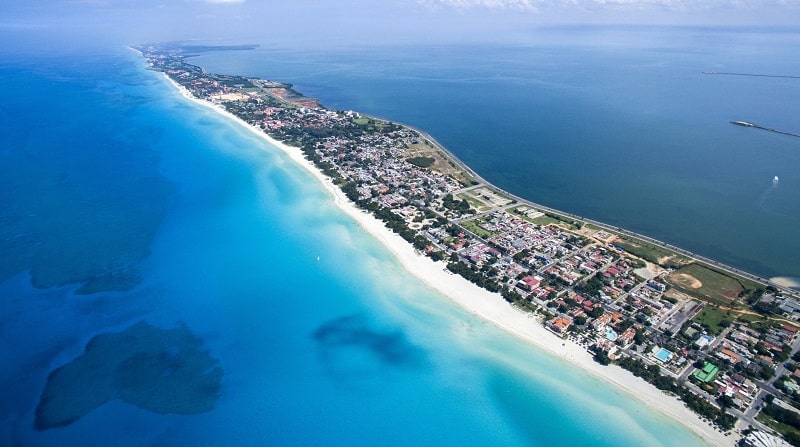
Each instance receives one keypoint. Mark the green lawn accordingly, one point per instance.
(781, 428)
(472, 225)
(422, 162)
(475, 202)
(543, 220)
(647, 251)
(751, 319)
(717, 287)
(712, 318)
(547, 220)
(517, 213)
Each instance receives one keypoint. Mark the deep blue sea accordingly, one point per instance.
(619, 125)
(122, 202)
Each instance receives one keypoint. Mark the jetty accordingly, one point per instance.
(756, 126)
(753, 75)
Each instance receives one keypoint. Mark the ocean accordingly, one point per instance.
(148, 240)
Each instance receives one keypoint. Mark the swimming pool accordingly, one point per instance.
(664, 355)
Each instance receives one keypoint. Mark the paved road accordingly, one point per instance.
(605, 226)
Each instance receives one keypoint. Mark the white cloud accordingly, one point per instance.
(524, 5)
(217, 2)
(534, 5)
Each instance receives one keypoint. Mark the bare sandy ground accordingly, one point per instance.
(491, 306)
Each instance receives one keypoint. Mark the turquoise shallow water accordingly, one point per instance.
(348, 349)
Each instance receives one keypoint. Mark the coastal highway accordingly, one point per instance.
(613, 229)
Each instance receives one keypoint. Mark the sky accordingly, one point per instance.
(368, 21)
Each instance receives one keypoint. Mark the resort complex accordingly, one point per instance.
(722, 342)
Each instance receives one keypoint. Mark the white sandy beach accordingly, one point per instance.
(491, 306)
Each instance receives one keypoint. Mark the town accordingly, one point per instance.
(723, 343)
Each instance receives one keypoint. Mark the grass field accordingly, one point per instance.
(491, 196)
(751, 318)
(441, 164)
(547, 220)
(651, 252)
(472, 225)
(543, 220)
(713, 319)
(516, 212)
(706, 284)
(422, 162)
(783, 429)
(475, 202)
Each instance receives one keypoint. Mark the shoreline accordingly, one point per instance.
(488, 306)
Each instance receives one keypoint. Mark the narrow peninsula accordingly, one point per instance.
(719, 341)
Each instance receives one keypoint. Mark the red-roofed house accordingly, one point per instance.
(730, 355)
(559, 325)
(528, 283)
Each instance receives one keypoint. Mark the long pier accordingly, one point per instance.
(752, 75)
(756, 126)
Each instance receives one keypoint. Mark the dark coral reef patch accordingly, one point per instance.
(160, 370)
